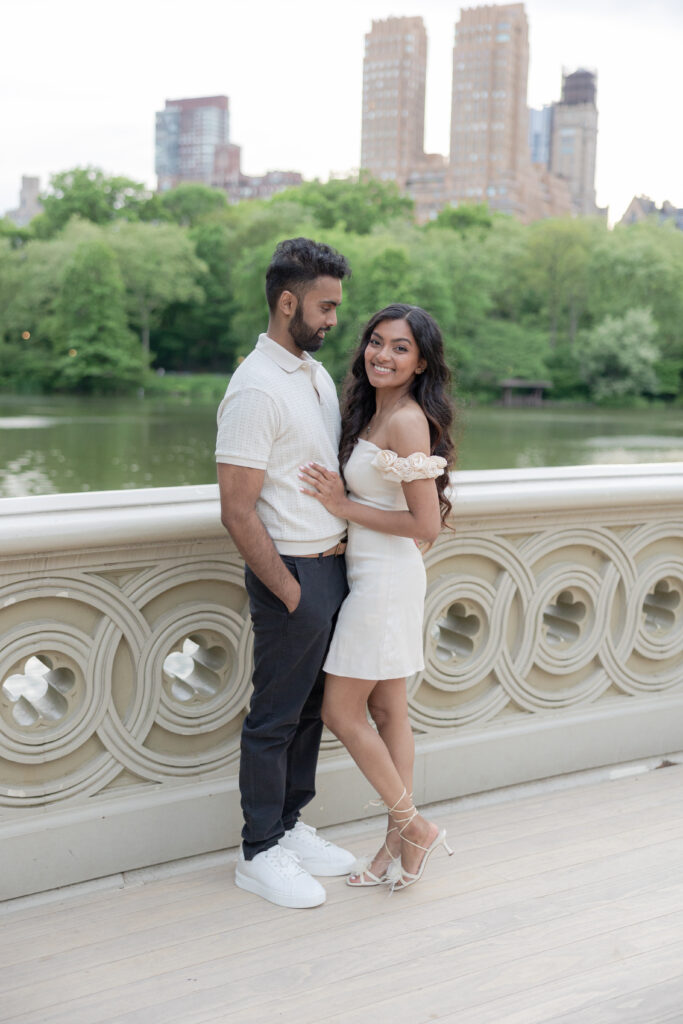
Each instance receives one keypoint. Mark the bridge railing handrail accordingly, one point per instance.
(37, 524)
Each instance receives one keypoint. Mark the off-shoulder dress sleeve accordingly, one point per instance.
(417, 466)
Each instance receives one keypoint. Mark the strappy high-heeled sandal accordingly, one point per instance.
(397, 876)
(361, 869)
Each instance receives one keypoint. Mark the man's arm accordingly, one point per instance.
(239, 488)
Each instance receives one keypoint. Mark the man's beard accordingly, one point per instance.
(303, 336)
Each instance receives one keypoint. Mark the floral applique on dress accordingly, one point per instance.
(417, 466)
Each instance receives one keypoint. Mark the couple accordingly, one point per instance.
(279, 432)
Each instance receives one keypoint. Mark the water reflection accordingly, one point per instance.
(634, 455)
(97, 444)
(651, 441)
(25, 422)
(497, 438)
(26, 475)
(50, 445)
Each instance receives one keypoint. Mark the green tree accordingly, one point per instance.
(94, 349)
(30, 282)
(503, 252)
(564, 370)
(236, 244)
(88, 193)
(16, 236)
(197, 335)
(159, 266)
(619, 355)
(504, 349)
(355, 206)
(642, 266)
(191, 203)
(464, 218)
(556, 272)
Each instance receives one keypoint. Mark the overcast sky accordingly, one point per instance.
(80, 81)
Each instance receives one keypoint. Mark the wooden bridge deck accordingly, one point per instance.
(562, 905)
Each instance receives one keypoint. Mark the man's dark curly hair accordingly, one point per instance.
(297, 262)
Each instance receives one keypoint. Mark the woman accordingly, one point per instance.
(395, 452)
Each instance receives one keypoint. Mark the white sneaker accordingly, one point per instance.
(277, 875)
(315, 854)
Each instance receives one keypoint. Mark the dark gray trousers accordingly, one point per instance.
(281, 733)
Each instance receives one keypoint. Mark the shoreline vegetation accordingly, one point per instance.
(111, 285)
(210, 388)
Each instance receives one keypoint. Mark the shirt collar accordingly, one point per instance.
(284, 359)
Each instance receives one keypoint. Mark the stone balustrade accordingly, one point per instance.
(553, 640)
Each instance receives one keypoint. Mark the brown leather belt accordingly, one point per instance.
(338, 549)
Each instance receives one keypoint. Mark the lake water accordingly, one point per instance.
(60, 444)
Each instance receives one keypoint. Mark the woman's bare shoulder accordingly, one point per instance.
(408, 430)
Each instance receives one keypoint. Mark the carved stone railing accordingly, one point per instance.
(553, 637)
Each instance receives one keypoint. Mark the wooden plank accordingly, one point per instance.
(216, 915)
(144, 977)
(546, 881)
(657, 1004)
(175, 894)
(419, 991)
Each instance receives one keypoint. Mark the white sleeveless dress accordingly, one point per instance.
(379, 629)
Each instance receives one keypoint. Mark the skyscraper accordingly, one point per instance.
(574, 138)
(188, 133)
(490, 159)
(394, 77)
(489, 148)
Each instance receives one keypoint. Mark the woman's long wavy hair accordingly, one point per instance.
(430, 389)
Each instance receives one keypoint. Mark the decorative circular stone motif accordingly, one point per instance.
(39, 693)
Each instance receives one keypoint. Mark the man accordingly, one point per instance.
(279, 412)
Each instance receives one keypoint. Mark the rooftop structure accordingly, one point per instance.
(574, 139)
(29, 202)
(643, 208)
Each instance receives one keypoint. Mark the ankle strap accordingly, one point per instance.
(406, 816)
(396, 810)
(391, 810)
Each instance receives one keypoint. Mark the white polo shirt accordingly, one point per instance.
(278, 413)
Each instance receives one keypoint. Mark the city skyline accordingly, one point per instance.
(295, 90)
(490, 157)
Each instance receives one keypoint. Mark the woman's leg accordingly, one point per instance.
(388, 707)
(344, 713)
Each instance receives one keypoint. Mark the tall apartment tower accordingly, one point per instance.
(574, 138)
(540, 134)
(394, 77)
(489, 121)
(188, 134)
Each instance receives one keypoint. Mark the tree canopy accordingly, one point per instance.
(86, 192)
(94, 349)
(598, 312)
